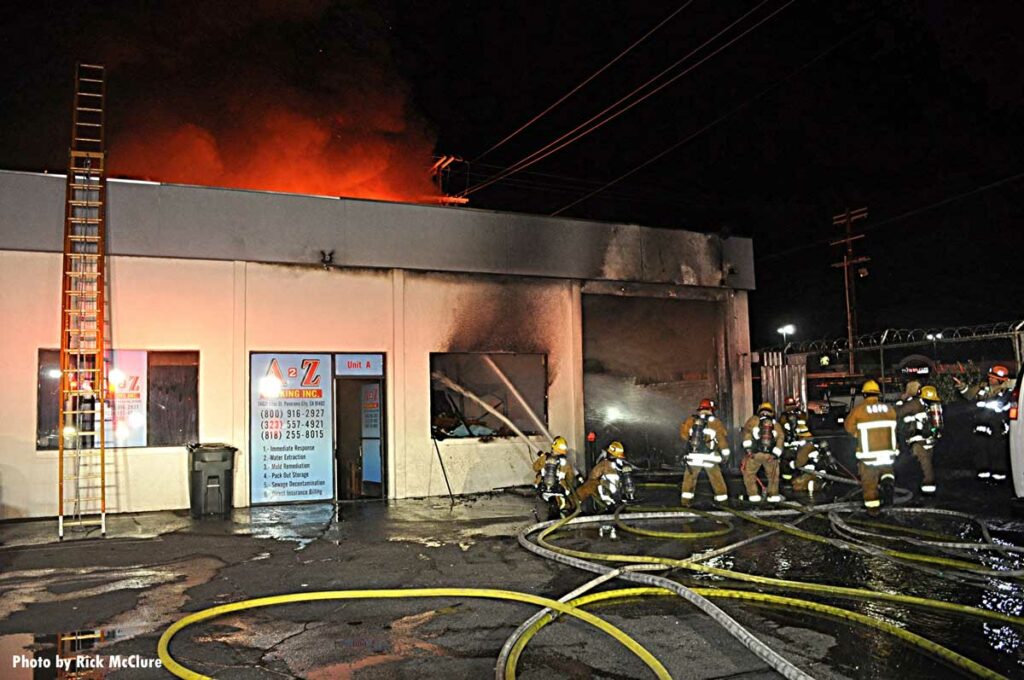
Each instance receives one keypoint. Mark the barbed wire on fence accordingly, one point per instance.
(893, 338)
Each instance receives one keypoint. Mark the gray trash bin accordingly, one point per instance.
(211, 478)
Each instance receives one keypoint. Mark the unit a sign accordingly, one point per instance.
(291, 428)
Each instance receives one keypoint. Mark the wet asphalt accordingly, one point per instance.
(153, 568)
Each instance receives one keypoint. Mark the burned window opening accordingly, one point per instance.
(454, 416)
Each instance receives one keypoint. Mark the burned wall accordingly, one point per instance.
(646, 364)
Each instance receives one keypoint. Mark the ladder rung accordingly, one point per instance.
(90, 433)
(79, 393)
(89, 124)
(83, 293)
(81, 522)
(85, 255)
(84, 220)
(83, 477)
(90, 80)
(82, 331)
(96, 67)
(89, 109)
(83, 350)
(86, 204)
(83, 237)
(91, 187)
(75, 153)
(81, 370)
(83, 274)
(89, 94)
(80, 411)
(80, 454)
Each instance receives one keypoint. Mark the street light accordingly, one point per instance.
(788, 329)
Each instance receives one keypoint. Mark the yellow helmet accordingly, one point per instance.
(871, 387)
(615, 450)
(929, 393)
(559, 447)
(766, 406)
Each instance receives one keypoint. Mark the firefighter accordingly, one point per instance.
(921, 425)
(763, 439)
(611, 479)
(991, 424)
(798, 448)
(874, 425)
(556, 478)
(814, 456)
(705, 445)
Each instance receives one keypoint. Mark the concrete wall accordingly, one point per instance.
(167, 220)
(227, 309)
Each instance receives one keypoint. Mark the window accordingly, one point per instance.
(455, 415)
(154, 399)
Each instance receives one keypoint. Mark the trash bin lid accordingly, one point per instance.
(212, 452)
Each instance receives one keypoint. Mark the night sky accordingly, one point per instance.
(897, 106)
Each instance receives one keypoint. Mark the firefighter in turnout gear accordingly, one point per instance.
(798, 449)
(921, 421)
(556, 479)
(763, 439)
(611, 479)
(874, 425)
(991, 422)
(706, 445)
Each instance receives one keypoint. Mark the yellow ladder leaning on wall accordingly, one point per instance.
(83, 384)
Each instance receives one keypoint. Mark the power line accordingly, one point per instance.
(910, 213)
(720, 119)
(547, 150)
(595, 74)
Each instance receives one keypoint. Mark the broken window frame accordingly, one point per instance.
(468, 414)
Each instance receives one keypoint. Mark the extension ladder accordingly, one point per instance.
(83, 383)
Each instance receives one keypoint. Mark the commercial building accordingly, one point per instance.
(305, 330)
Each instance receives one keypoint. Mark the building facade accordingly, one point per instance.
(309, 332)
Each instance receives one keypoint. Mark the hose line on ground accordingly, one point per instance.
(163, 647)
(934, 648)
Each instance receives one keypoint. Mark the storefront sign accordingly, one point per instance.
(359, 364)
(127, 381)
(291, 428)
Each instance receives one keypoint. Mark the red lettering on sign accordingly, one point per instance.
(354, 364)
(133, 381)
(310, 378)
(293, 372)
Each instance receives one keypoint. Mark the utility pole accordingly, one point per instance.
(846, 220)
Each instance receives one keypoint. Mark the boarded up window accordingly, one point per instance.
(455, 415)
(173, 408)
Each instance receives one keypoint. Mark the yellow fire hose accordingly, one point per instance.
(163, 647)
(827, 590)
(938, 650)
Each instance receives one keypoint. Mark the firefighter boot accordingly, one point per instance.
(886, 489)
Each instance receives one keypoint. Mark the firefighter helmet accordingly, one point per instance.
(707, 405)
(615, 450)
(999, 372)
(871, 387)
(929, 393)
(792, 402)
(766, 409)
(559, 447)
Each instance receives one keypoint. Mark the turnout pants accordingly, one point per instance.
(803, 457)
(714, 476)
(870, 477)
(991, 453)
(753, 463)
(923, 451)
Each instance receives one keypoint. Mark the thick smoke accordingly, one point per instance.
(298, 97)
